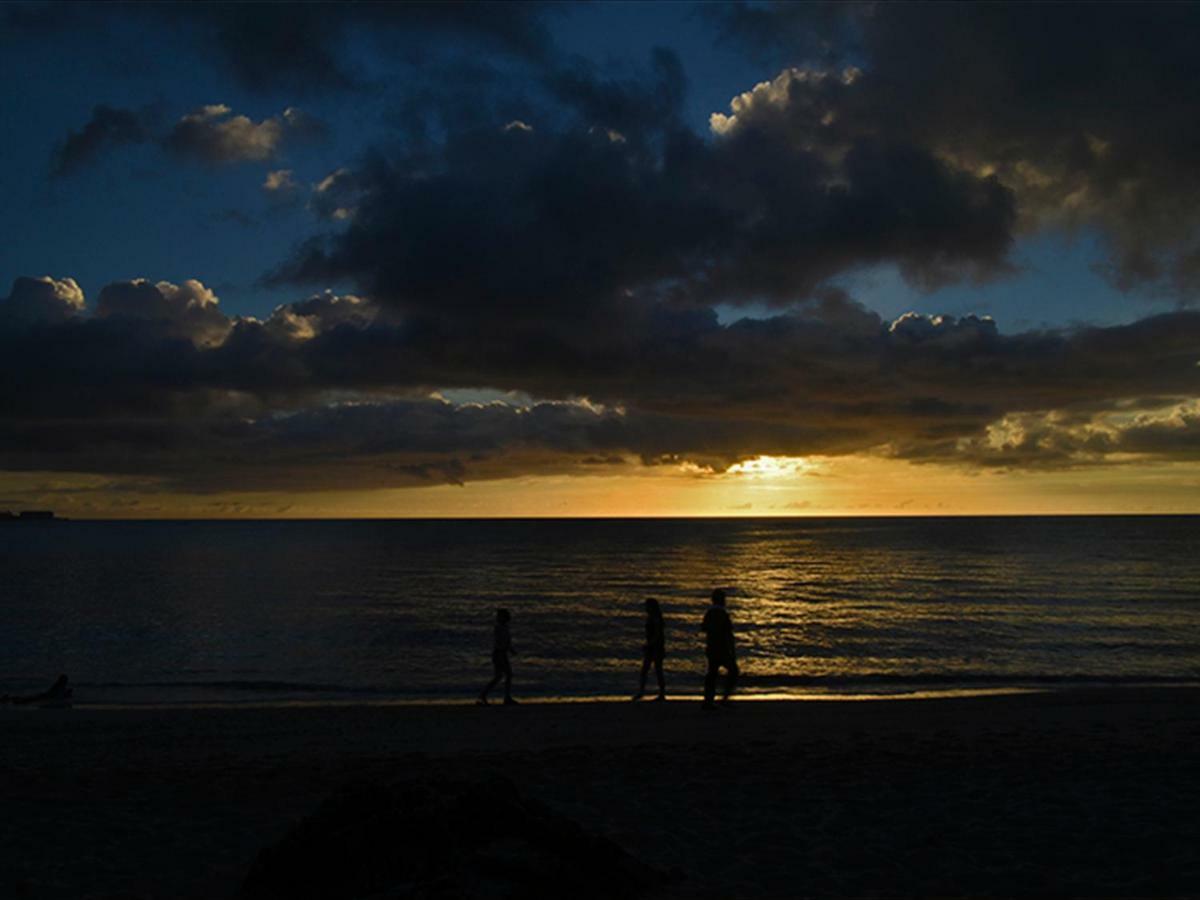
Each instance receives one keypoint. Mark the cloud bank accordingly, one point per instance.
(339, 391)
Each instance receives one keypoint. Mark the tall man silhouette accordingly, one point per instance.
(718, 647)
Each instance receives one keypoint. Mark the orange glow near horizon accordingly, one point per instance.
(762, 486)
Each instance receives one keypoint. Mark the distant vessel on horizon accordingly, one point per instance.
(29, 515)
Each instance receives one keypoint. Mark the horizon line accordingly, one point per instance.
(623, 518)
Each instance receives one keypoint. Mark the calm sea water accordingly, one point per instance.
(227, 612)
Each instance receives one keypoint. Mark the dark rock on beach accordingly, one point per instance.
(421, 840)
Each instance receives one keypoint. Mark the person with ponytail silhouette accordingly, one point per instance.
(501, 667)
(654, 650)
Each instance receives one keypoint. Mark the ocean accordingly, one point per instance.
(208, 612)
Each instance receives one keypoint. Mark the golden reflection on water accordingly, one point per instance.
(820, 607)
(830, 601)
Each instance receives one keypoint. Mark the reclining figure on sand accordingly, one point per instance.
(58, 694)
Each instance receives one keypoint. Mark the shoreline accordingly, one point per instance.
(556, 701)
(349, 699)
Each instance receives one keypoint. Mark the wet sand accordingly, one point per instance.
(1088, 792)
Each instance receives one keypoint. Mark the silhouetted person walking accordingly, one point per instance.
(501, 668)
(718, 647)
(654, 651)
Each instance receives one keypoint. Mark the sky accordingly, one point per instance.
(599, 259)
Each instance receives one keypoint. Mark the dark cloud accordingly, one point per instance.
(108, 127)
(268, 46)
(1086, 113)
(212, 134)
(1175, 435)
(306, 47)
(636, 105)
(607, 199)
(821, 33)
(311, 47)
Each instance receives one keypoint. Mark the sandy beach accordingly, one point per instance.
(1088, 792)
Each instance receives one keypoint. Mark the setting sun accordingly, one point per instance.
(771, 468)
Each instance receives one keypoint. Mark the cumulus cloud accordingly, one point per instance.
(212, 134)
(280, 181)
(40, 301)
(108, 127)
(948, 330)
(1057, 439)
(281, 189)
(309, 318)
(188, 310)
(771, 98)
(336, 196)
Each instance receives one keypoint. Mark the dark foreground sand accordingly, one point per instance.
(1075, 793)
